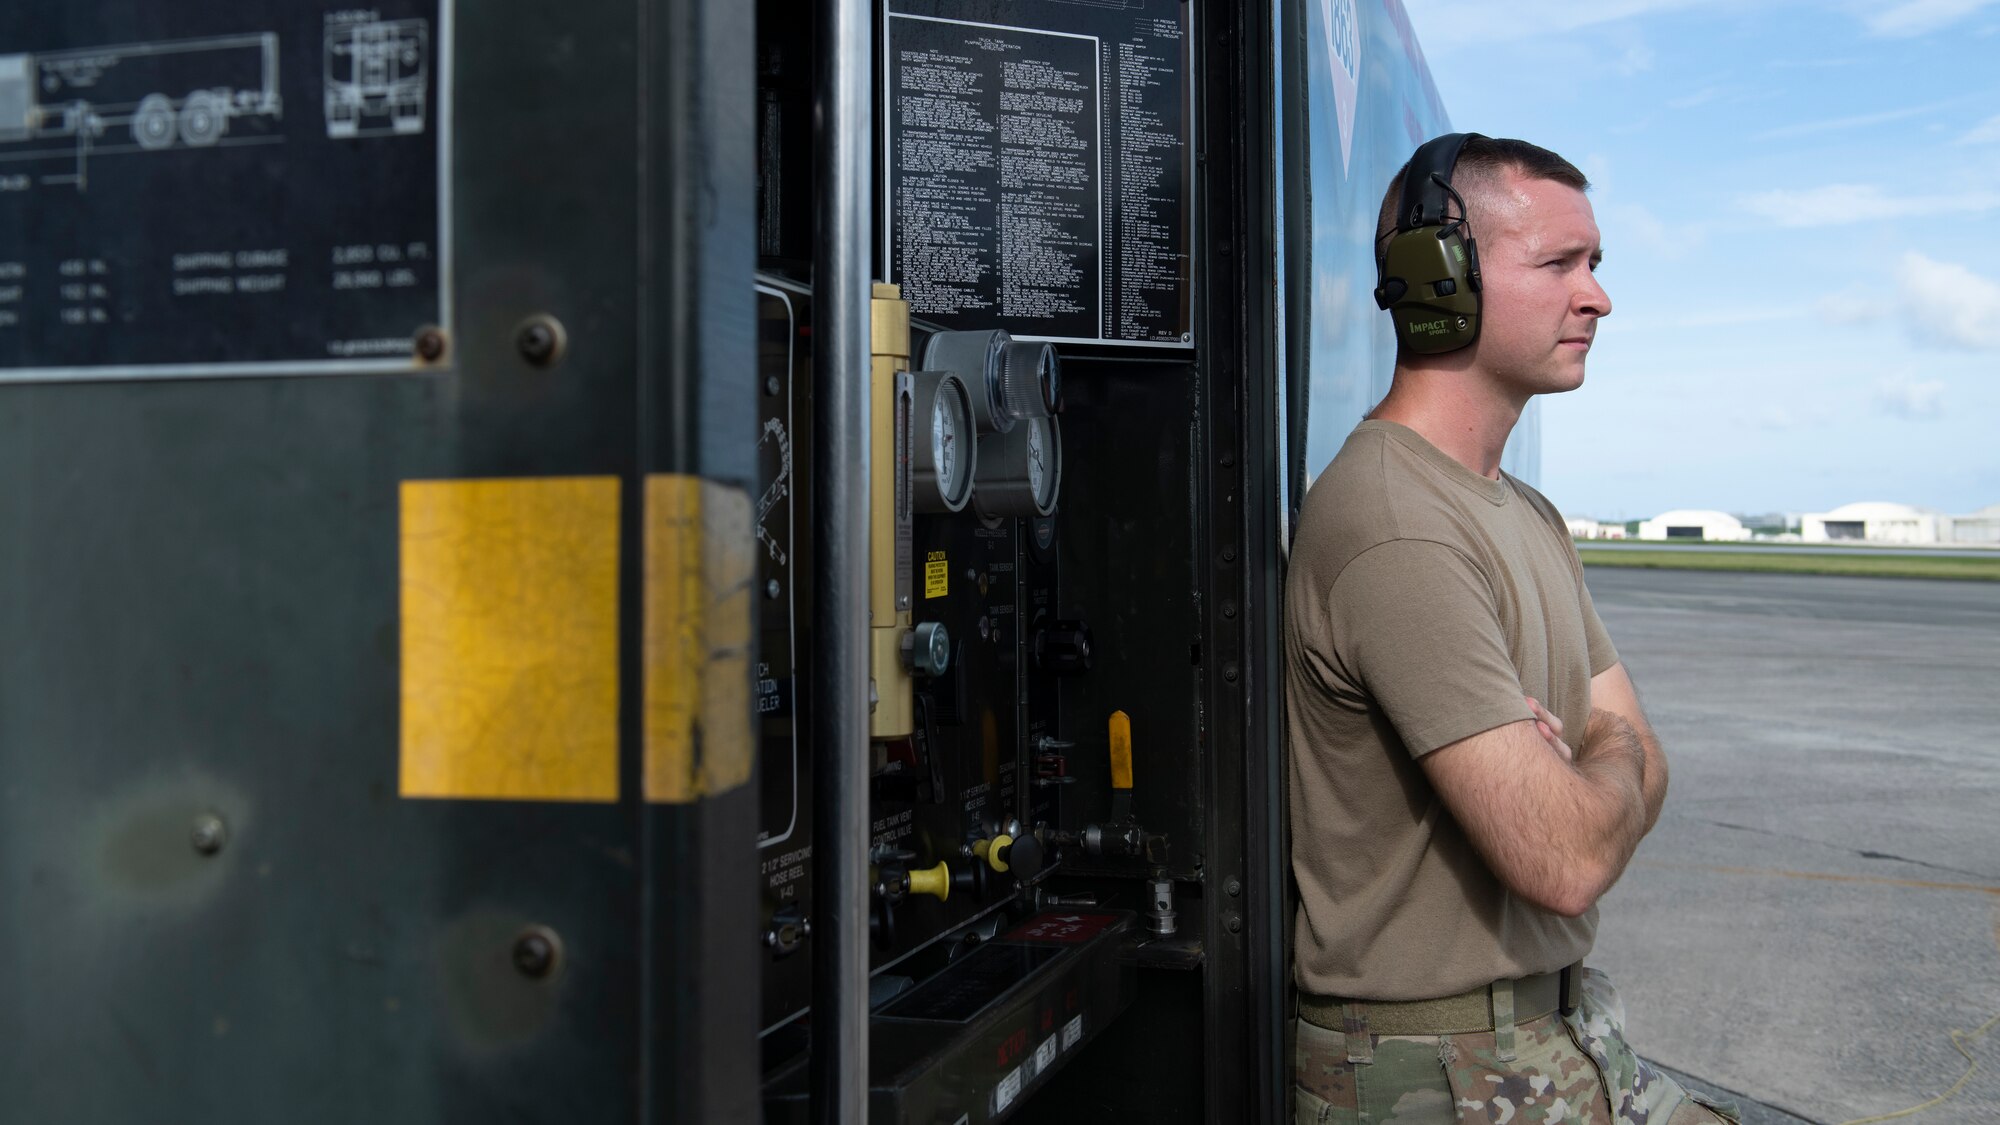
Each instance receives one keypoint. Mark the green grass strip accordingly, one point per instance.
(1769, 562)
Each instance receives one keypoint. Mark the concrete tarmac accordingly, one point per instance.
(1819, 906)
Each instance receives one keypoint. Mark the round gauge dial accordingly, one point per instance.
(979, 358)
(1038, 467)
(1020, 471)
(947, 436)
(943, 448)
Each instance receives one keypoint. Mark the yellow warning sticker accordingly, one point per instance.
(698, 568)
(937, 575)
(510, 639)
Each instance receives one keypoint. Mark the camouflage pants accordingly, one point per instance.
(1567, 1069)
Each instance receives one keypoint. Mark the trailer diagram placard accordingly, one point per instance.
(235, 187)
(1038, 166)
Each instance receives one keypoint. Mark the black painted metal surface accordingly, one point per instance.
(199, 617)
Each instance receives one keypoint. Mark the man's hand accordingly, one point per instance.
(1556, 825)
(1613, 694)
(1551, 729)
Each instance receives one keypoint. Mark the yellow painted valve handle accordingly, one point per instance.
(994, 848)
(935, 882)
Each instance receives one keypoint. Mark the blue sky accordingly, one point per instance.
(1799, 205)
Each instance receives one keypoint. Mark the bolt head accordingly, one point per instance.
(208, 834)
(430, 345)
(771, 385)
(537, 951)
(772, 589)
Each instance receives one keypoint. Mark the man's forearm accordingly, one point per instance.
(1612, 759)
(1614, 737)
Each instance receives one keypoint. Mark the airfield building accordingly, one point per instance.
(1695, 524)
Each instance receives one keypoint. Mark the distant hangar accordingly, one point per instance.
(1878, 521)
(1868, 521)
(1695, 523)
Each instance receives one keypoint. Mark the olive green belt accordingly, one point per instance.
(1489, 1007)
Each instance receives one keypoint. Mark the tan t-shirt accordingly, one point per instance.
(1424, 601)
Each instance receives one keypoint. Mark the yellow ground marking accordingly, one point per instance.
(1961, 1039)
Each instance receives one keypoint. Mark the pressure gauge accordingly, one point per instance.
(944, 449)
(977, 358)
(1030, 379)
(1020, 471)
(1009, 379)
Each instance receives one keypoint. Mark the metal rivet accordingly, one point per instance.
(208, 834)
(1229, 671)
(1229, 554)
(540, 340)
(771, 385)
(537, 952)
(1229, 609)
(1234, 923)
(772, 589)
(430, 344)
(1234, 887)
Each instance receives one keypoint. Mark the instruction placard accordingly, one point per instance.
(1038, 167)
(234, 187)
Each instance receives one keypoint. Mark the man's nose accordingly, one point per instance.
(1591, 299)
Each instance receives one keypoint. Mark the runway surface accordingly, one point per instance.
(1819, 906)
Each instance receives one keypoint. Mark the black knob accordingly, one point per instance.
(1023, 857)
(1063, 648)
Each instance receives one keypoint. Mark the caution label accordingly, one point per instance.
(937, 575)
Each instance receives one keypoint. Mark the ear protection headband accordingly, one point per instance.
(1430, 275)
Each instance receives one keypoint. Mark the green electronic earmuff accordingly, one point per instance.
(1430, 275)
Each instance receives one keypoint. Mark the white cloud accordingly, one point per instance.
(1947, 305)
(1840, 204)
(1986, 132)
(1851, 306)
(1728, 317)
(1777, 418)
(1699, 97)
(1918, 17)
(1444, 25)
(1909, 398)
(1632, 223)
(1636, 59)
(1857, 121)
(1796, 415)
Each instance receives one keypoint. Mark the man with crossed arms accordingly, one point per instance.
(1471, 768)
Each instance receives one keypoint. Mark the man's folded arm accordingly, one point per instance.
(1612, 692)
(1557, 833)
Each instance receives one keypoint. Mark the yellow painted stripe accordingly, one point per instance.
(510, 639)
(697, 617)
(1878, 880)
(1121, 750)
